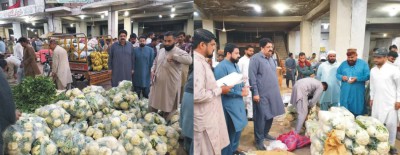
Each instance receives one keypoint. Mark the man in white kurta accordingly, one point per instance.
(385, 93)
(327, 73)
(244, 67)
(210, 131)
(61, 71)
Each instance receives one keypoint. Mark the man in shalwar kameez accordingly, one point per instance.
(210, 133)
(266, 94)
(121, 59)
(166, 79)
(353, 74)
(327, 73)
(233, 104)
(244, 68)
(144, 57)
(385, 94)
(303, 90)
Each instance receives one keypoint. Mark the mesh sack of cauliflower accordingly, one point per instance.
(110, 145)
(111, 92)
(174, 122)
(115, 124)
(125, 85)
(378, 133)
(94, 89)
(143, 105)
(79, 108)
(95, 131)
(135, 142)
(44, 146)
(18, 138)
(54, 115)
(69, 140)
(172, 140)
(158, 145)
(97, 102)
(134, 113)
(72, 93)
(81, 126)
(342, 112)
(124, 100)
(154, 118)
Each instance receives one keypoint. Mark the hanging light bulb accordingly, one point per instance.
(106, 13)
(159, 16)
(72, 25)
(102, 16)
(172, 15)
(126, 13)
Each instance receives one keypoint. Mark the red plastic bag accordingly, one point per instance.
(303, 141)
(290, 139)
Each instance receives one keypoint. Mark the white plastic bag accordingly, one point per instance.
(277, 145)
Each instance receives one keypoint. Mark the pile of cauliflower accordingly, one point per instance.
(361, 136)
(94, 122)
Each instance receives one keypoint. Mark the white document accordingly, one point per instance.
(230, 80)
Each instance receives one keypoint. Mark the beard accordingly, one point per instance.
(168, 48)
(351, 63)
(234, 60)
(141, 45)
(249, 55)
(332, 61)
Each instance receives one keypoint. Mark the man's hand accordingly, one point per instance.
(170, 58)
(256, 98)
(345, 78)
(371, 102)
(17, 114)
(226, 89)
(397, 106)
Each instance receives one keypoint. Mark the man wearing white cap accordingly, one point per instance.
(327, 73)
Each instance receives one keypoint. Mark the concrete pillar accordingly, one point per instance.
(190, 27)
(367, 41)
(135, 29)
(55, 25)
(39, 32)
(127, 25)
(222, 39)
(185, 27)
(17, 29)
(64, 29)
(208, 25)
(46, 28)
(292, 41)
(96, 30)
(6, 34)
(316, 37)
(305, 37)
(77, 28)
(113, 23)
(83, 27)
(347, 17)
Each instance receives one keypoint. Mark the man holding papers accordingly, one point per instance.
(210, 134)
(266, 95)
(233, 104)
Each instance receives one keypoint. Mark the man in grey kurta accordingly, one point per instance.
(166, 77)
(121, 60)
(290, 65)
(306, 93)
(265, 89)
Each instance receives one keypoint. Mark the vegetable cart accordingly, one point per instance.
(79, 52)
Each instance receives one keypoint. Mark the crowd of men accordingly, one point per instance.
(327, 82)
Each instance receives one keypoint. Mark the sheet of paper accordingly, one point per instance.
(230, 80)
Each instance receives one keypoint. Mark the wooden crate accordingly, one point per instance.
(99, 77)
(78, 66)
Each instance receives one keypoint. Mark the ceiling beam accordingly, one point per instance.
(164, 13)
(260, 19)
(383, 1)
(383, 20)
(274, 29)
(383, 30)
(165, 19)
(318, 11)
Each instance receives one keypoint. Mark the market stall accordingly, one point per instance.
(88, 61)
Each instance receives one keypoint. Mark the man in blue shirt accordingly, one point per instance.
(353, 73)
(144, 57)
(233, 104)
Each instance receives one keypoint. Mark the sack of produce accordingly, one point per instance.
(54, 115)
(69, 140)
(94, 89)
(110, 145)
(72, 93)
(44, 146)
(135, 142)
(124, 100)
(97, 102)
(159, 146)
(79, 108)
